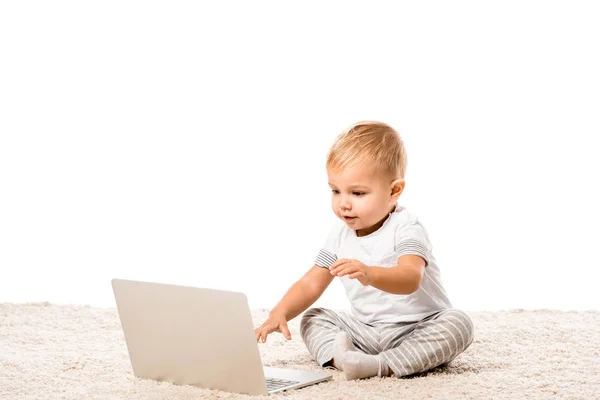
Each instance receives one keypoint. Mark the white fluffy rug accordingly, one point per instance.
(71, 352)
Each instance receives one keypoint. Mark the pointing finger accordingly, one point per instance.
(285, 331)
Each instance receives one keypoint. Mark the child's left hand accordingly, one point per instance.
(354, 268)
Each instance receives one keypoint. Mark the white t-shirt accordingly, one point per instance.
(400, 234)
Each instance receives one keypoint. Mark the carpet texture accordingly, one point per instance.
(75, 352)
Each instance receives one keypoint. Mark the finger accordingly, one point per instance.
(356, 275)
(338, 263)
(337, 271)
(345, 270)
(286, 332)
(338, 268)
(263, 336)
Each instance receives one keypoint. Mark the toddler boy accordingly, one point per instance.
(401, 320)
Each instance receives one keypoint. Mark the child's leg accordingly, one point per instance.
(434, 341)
(357, 365)
(319, 327)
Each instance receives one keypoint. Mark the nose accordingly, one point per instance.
(345, 203)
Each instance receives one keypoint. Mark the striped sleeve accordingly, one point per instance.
(328, 253)
(325, 258)
(413, 239)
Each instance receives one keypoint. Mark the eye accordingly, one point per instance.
(358, 193)
(335, 191)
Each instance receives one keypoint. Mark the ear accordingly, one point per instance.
(396, 189)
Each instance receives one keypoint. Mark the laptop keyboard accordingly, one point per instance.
(274, 384)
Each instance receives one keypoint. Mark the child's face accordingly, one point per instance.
(362, 198)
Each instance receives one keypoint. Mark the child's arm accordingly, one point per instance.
(404, 278)
(298, 298)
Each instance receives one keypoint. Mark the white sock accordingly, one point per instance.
(355, 364)
(342, 344)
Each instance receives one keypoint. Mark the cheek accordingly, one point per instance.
(371, 205)
(334, 205)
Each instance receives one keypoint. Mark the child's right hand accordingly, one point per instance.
(275, 323)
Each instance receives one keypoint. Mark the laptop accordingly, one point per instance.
(200, 337)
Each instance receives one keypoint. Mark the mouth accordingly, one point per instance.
(349, 218)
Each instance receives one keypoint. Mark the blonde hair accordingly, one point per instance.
(370, 142)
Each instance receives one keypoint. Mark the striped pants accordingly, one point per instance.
(406, 347)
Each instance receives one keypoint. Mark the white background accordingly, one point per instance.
(184, 142)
